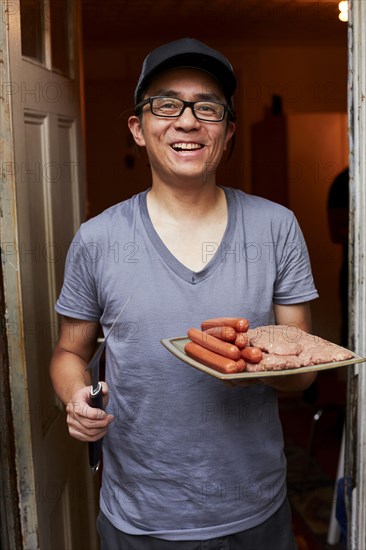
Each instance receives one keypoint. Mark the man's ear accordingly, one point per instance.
(135, 127)
(230, 131)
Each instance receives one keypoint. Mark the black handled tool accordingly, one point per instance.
(96, 394)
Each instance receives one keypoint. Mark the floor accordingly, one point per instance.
(313, 461)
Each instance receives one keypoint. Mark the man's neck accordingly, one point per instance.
(184, 221)
(180, 203)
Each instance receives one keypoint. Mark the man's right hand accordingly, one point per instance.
(85, 422)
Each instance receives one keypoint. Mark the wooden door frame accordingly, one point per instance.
(356, 418)
(10, 531)
(22, 495)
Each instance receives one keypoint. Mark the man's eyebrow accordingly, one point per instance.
(207, 96)
(204, 96)
(167, 93)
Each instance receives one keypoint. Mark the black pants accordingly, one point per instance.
(273, 534)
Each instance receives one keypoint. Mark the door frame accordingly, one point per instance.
(10, 532)
(20, 494)
(356, 417)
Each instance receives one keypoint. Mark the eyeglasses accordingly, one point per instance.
(171, 107)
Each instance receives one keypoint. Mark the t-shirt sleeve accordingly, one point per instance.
(294, 283)
(79, 298)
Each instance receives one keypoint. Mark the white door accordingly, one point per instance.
(42, 204)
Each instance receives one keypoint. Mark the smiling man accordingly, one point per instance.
(188, 462)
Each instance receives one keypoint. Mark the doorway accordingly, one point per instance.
(275, 38)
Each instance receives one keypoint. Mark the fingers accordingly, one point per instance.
(105, 394)
(85, 422)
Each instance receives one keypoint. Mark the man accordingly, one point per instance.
(188, 462)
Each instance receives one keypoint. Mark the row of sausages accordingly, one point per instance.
(222, 344)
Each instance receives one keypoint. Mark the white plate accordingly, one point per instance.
(176, 347)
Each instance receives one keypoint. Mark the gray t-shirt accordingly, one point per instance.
(187, 457)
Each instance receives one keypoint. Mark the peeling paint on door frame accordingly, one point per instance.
(26, 494)
(356, 417)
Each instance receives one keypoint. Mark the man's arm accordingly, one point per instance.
(297, 315)
(72, 382)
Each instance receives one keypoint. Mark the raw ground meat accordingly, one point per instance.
(323, 353)
(275, 362)
(287, 347)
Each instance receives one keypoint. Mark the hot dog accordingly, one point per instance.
(214, 344)
(238, 323)
(241, 340)
(241, 365)
(242, 325)
(213, 360)
(223, 333)
(252, 354)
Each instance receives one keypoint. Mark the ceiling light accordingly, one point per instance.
(343, 10)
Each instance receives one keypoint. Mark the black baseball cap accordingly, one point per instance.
(187, 52)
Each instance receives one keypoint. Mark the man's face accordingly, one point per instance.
(183, 148)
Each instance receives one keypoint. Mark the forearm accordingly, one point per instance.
(297, 315)
(70, 358)
(68, 374)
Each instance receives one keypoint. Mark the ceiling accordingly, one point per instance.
(229, 21)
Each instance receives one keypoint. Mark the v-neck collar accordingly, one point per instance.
(171, 261)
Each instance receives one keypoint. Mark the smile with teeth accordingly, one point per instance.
(186, 146)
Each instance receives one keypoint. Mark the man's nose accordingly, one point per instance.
(187, 118)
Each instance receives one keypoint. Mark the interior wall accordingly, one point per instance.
(310, 180)
(309, 79)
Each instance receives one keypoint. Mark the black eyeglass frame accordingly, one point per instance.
(185, 104)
